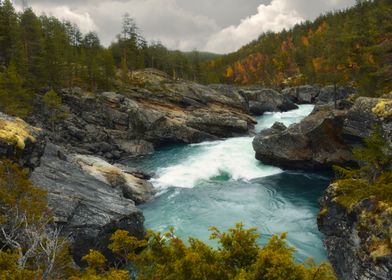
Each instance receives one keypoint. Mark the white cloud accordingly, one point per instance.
(160, 20)
(82, 18)
(272, 17)
(186, 24)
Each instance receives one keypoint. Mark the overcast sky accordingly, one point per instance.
(219, 26)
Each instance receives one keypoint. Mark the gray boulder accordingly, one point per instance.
(87, 207)
(305, 94)
(267, 100)
(329, 94)
(326, 137)
(315, 143)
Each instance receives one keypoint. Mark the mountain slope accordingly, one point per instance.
(351, 46)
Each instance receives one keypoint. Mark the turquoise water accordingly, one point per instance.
(220, 183)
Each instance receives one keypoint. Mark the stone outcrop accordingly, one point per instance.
(305, 94)
(315, 143)
(257, 100)
(267, 100)
(357, 239)
(324, 138)
(90, 198)
(308, 94)
(154, 111)
(327, 94)
(133, 186)
(20, 142)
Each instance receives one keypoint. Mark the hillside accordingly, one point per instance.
(353, 46)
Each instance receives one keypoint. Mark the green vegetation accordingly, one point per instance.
(343, 47)
(165, 256)
(372, 179)
(371, 182)
(14, 98)
(52, 103)
(31, 247)
(43, 52)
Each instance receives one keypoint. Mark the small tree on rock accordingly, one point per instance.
(53, 105)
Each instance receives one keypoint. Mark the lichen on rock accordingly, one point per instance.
(383, 108)
(15, 131)
(20, 141)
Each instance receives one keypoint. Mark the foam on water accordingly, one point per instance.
(220, 183)
(231, 159)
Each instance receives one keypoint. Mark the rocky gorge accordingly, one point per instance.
(91, 195)
(353, 235)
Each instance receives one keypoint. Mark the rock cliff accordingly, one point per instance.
(90, 198)
(324, 138)
(357, 239)
(154, 111)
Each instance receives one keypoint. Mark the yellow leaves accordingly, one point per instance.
(9, 269)
(125, 245)
(380, 249)
(305, 41)
(229, 72)
(17, 192)
(95, 260)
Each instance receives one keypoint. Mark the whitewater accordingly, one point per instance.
(220, 183)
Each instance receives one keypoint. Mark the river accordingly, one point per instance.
(221, 183)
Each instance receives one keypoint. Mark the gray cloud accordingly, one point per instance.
(218, 25)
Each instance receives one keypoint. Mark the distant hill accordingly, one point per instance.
(352, 46)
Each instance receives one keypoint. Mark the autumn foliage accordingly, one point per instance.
(348, 47)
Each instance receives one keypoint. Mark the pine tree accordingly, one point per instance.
(8, 31)
(32, 64)
(14, 99)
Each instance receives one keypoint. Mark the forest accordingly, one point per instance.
(352, 46)
(42, 52)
